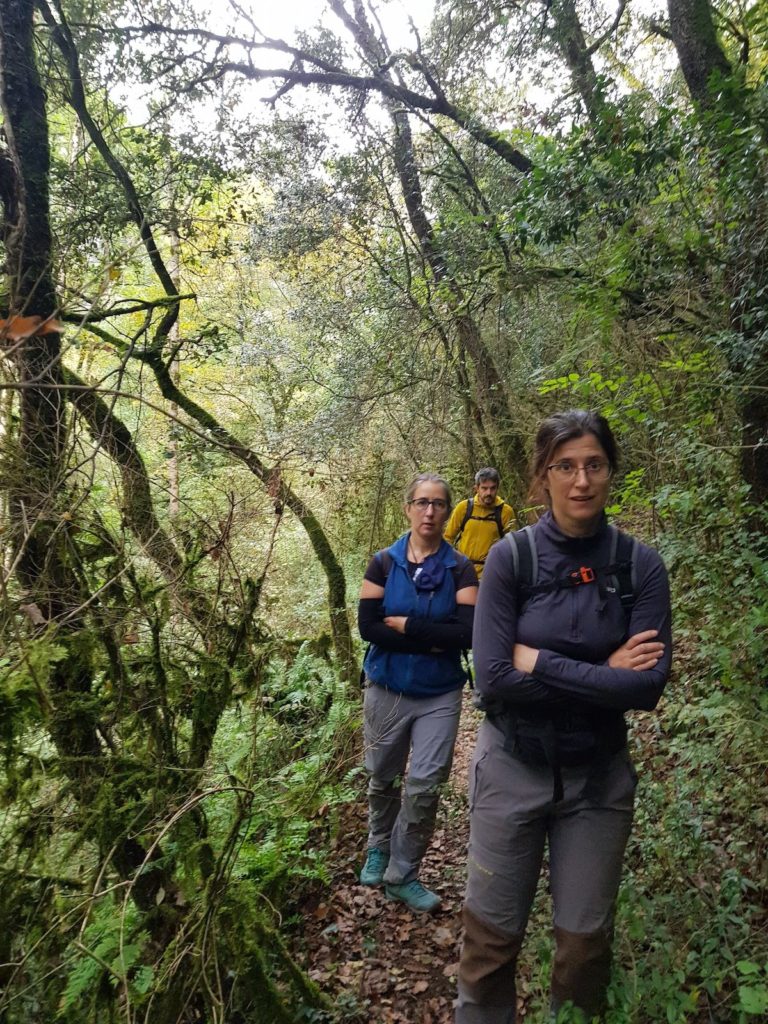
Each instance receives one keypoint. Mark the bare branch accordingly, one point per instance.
(66, 44)
(326, 74)
(93, 316)
(593, 47)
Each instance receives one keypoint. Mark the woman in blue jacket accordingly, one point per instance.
(558, 659)
(416, 610)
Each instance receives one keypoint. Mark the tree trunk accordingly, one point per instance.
(702, 59)
(173, 441)
(492, 397)
(568, 36)
(697, 45)
(29, 292)
(40, 482)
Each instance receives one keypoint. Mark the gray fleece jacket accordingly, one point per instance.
(575, 629)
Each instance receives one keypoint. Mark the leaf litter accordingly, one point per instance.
(397, 967)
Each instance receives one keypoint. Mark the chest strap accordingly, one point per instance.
(620, 569)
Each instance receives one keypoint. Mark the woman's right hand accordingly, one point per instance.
(640, 653)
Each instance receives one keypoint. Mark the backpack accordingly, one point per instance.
(497, 510)
(620, 569)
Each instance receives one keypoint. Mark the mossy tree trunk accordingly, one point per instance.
(737, 135)
(29, 292)
(38, 489)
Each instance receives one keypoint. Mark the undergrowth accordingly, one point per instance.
(239, 848)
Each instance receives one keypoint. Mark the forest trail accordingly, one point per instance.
(399, 967)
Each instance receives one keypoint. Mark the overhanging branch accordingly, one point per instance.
(326, 74)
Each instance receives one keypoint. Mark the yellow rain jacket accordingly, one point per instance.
(480, 532)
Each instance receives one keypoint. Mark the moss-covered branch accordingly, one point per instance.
(283, 493)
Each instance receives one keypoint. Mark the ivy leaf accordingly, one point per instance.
(753, 1000)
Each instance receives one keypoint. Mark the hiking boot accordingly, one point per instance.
(374, 867)
(414, 895)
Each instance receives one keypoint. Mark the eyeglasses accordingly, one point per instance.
(596, 469)
(422, 504)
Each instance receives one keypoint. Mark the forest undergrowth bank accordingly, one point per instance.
(256, 916)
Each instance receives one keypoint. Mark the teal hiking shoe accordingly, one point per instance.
(374, 867)
(415, 896)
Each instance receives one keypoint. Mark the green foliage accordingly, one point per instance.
(753, 990)
(23, 681)
(177, 743)
(302, 764)
(110, 950)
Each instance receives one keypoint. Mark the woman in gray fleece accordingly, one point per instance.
(572, 628)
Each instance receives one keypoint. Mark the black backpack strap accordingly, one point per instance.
(622, 568)
(497, 510)
(513, 516)
(525, 561)
(456, 570)
(525, 567)
(384, 559)
(467, 517)
(614, 543)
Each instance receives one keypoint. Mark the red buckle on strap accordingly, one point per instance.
(583, 575)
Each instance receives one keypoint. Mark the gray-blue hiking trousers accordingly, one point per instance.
(420, 733)
(512, 817)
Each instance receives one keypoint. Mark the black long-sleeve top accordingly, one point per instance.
(575, 630)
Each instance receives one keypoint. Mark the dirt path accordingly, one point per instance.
(398, 967)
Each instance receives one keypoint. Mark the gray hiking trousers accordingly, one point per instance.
(402, 808)
(512, 816)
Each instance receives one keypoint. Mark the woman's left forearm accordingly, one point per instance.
(618, 688)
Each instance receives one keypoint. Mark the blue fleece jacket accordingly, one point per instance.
(575, 629)
(418, 674)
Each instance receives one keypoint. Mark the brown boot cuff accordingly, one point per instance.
(581, 970)
(488, 962)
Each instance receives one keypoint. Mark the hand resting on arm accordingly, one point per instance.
(638, 654)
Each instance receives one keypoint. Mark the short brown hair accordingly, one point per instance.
(429, 478)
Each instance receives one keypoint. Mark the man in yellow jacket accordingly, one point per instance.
(478, 522)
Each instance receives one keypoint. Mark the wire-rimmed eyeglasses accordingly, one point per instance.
(596, 469)
(422, 504)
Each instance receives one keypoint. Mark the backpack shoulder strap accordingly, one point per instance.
(497, 510)
(385, 561)
(467, 516)
(457, 569)
(623, 569)
(614, 532)
(514, 518)
(525, 560)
